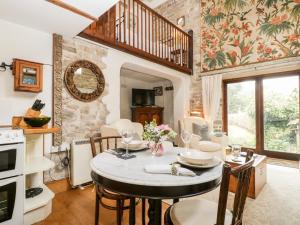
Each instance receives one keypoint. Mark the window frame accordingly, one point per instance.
(259, 108)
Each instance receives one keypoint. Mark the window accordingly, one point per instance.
(241, 113)
(262, 113)
(281, 114)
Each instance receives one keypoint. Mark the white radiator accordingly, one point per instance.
(81, 154)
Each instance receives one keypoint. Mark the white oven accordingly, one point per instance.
(12, 194)
(11, 160)
(12, 201)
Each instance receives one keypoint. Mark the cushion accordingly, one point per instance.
(136, 137)
(196, 212)
(122, 124)
(188, 121)
(201, 130)
(209, 146)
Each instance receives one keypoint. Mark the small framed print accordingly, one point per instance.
(181, 21)
(28, 75)
(158, 91)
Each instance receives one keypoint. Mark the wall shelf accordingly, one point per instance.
(38, 164)
(41, 130)
(39, 200)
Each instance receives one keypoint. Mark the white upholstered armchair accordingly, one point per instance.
(213, 145)
(114, 128)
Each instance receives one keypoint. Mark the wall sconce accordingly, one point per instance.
(4, 65)
(196, 114)
(181, 21)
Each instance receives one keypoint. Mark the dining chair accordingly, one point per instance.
(204, 212)
(104, 143)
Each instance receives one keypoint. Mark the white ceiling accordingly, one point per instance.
(92, 7)
(140, 76)
(45, 16)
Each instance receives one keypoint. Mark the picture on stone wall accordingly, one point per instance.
(158, 91)
(240, 32)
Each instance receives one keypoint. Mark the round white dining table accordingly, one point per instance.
(128, 177)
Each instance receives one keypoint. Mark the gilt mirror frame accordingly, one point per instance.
(70, 84)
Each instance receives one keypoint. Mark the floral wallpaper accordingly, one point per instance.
(241, 32)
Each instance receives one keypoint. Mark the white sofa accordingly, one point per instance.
(215, 146)
(114, 128)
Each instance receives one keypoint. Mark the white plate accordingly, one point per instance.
(197, 157)
(215, 162)
(134, 145)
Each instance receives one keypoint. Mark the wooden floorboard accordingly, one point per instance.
(76, 207)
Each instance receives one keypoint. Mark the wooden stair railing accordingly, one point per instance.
(133, 27)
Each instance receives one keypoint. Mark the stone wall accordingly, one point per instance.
(81, 119)
(190, 9)
(77, 119)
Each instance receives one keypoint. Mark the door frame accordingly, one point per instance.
(259, 107)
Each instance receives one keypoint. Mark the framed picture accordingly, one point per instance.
(28, 75)
(181, 21)
(158, 91)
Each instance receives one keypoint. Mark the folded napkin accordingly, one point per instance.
(167, 169)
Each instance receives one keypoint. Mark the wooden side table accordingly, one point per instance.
(258, 176)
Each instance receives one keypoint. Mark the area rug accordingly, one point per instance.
(277, 204)
(282, 162)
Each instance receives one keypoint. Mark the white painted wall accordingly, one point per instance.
(127, 84)
(166, 100)
(17, 41)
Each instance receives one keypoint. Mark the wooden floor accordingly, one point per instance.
(76, 207)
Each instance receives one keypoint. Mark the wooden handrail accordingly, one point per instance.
(132, 26)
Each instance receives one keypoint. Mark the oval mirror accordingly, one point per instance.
(84, 80)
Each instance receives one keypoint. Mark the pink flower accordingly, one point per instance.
(261, 59)
(245, 26)
(214, 42)
(214, 12)
(236, 42)
(209, 37)
(260, 47)
(164, 127)
(233, 54)
(225, 25)
(279, 19)
(212, 54)
(235, 31)
(268, 50)
(294, 37)
(248, 33)
(246, 50)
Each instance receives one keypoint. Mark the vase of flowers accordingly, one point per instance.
(156, 135)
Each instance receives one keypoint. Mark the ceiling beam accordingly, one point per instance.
(72, 9)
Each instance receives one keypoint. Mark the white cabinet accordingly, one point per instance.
(40, 206)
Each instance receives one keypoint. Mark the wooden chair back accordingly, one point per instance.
(104, 143)
(242, 174)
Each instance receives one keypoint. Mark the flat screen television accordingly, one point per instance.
(143, 97)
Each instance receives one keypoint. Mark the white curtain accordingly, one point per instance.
(211, 96)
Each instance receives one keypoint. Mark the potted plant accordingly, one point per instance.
(156, 135)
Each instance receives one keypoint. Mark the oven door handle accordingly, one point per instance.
(7, 181)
